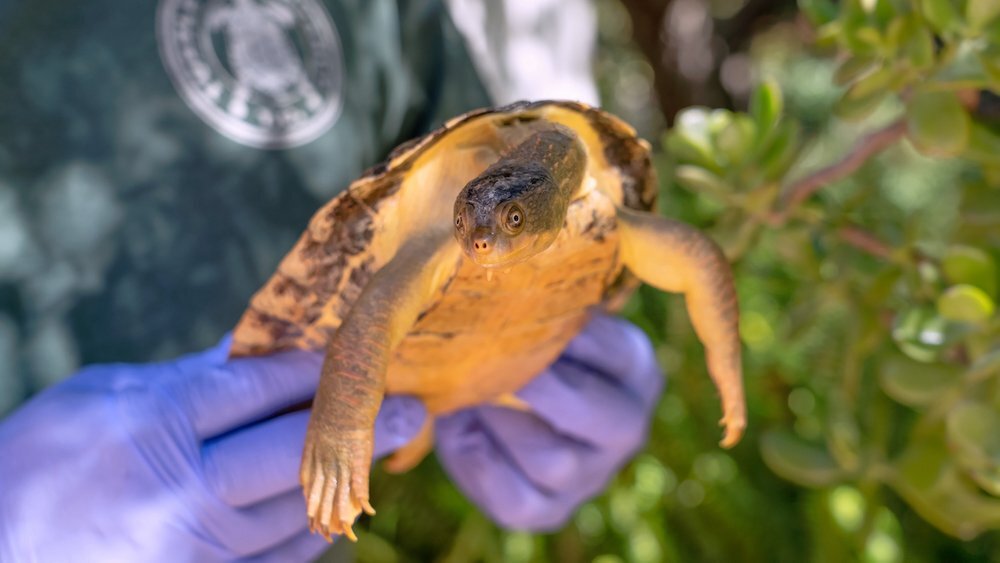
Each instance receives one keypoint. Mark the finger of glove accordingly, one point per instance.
(399, 420)
(247, 389)
(173, 371)
(620, 351)
(257, 462)
(479, 467)
(587, 406)
(261, 527)
(214, 356)
(552, 461)
(305, 546)
(261, 461)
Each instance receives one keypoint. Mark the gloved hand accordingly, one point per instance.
(589, 414)
(169, 462)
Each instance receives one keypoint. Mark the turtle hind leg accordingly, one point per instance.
(676, 257)
(408, 456)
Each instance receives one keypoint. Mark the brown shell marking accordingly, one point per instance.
(358, 231)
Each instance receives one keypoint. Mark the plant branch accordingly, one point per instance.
(802, 189)
(866, 242)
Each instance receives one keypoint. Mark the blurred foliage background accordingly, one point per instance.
(851, 170)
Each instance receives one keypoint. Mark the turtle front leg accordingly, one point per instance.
(337, 458)
(676, 257)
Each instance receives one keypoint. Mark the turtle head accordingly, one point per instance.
(509, 213)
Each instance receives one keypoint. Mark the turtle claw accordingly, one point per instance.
(733, 431)
(334, 479)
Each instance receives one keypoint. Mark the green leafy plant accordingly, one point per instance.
(858, 197)
(885, 281)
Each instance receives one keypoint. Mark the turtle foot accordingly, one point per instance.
(334, 477)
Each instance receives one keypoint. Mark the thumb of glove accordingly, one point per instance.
(398, 422)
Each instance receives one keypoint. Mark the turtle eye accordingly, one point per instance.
(513, 219)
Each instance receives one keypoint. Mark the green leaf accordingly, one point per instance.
(718, 119)
(927, 479)
(766, 105)
(879, 81)
(972, 434)
(870, 36)
(799, 462)
(937, 123)
(941, 14)
(990, 62)
(828, 35)
(857, 33)
(854, 106)
(854, 68)
(979, 13)
(984, 144)
(735, 141)
(819, 12)
(690, 139)
(917, 384)
(972, 427)
(964, 70)
(920, 333)
(965, 303)
(781, 150)
(699, 180)
(987, 479)
(683, 149)
(992, 32)
(971, 266)
(866, 94)
(924, 462)
(884, 11)
(911, 41)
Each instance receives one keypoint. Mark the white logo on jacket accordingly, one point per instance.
(265, 73)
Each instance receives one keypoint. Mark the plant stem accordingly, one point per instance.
(863, 240)
(802, 189)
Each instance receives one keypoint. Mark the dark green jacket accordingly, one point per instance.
(137, 213)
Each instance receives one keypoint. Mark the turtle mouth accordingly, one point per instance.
(492, 252)
(490, 265)
(498, 250)
(495, 262)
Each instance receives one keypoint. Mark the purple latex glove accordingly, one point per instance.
(169, 462)
(176, 462)
(590, 414)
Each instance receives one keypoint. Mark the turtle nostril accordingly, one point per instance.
(482, 242)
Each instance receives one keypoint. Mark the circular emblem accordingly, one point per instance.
(265, 73)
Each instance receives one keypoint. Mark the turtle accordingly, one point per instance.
(460, 267)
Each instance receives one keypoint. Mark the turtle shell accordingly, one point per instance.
(486, 333)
